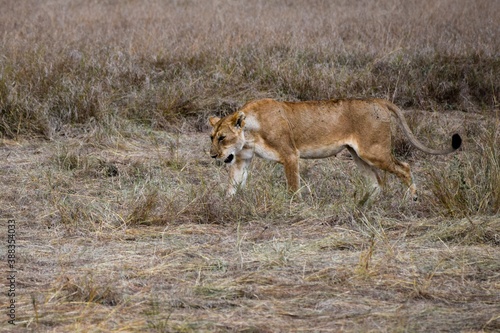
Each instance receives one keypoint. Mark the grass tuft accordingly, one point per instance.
(470, 184)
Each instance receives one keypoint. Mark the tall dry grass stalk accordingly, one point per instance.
(470, 184)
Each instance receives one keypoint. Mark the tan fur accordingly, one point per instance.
(286, 131)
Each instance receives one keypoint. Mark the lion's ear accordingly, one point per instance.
(239, 119)
(213, 121)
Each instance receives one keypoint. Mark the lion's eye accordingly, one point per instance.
(222, 137)
(211, 138)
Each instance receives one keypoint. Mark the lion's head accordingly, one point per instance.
(227, 136)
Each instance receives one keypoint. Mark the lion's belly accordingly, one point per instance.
(321, 152)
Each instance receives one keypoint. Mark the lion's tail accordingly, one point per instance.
(456, 140)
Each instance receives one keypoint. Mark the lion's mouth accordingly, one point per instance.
(229, 159)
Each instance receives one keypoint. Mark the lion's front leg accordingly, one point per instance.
(238, 173)
(291, 166)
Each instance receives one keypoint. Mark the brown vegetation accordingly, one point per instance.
(121, 220)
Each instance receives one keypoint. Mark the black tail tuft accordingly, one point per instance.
(456, 141)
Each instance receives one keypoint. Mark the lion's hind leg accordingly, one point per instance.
(387, 162)
(372, 178)
(403, 171)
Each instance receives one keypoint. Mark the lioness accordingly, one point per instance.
(286, 131)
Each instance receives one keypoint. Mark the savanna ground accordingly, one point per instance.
(121, 222)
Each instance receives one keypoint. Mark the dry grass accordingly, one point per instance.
(156, 63)
(121, 220)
